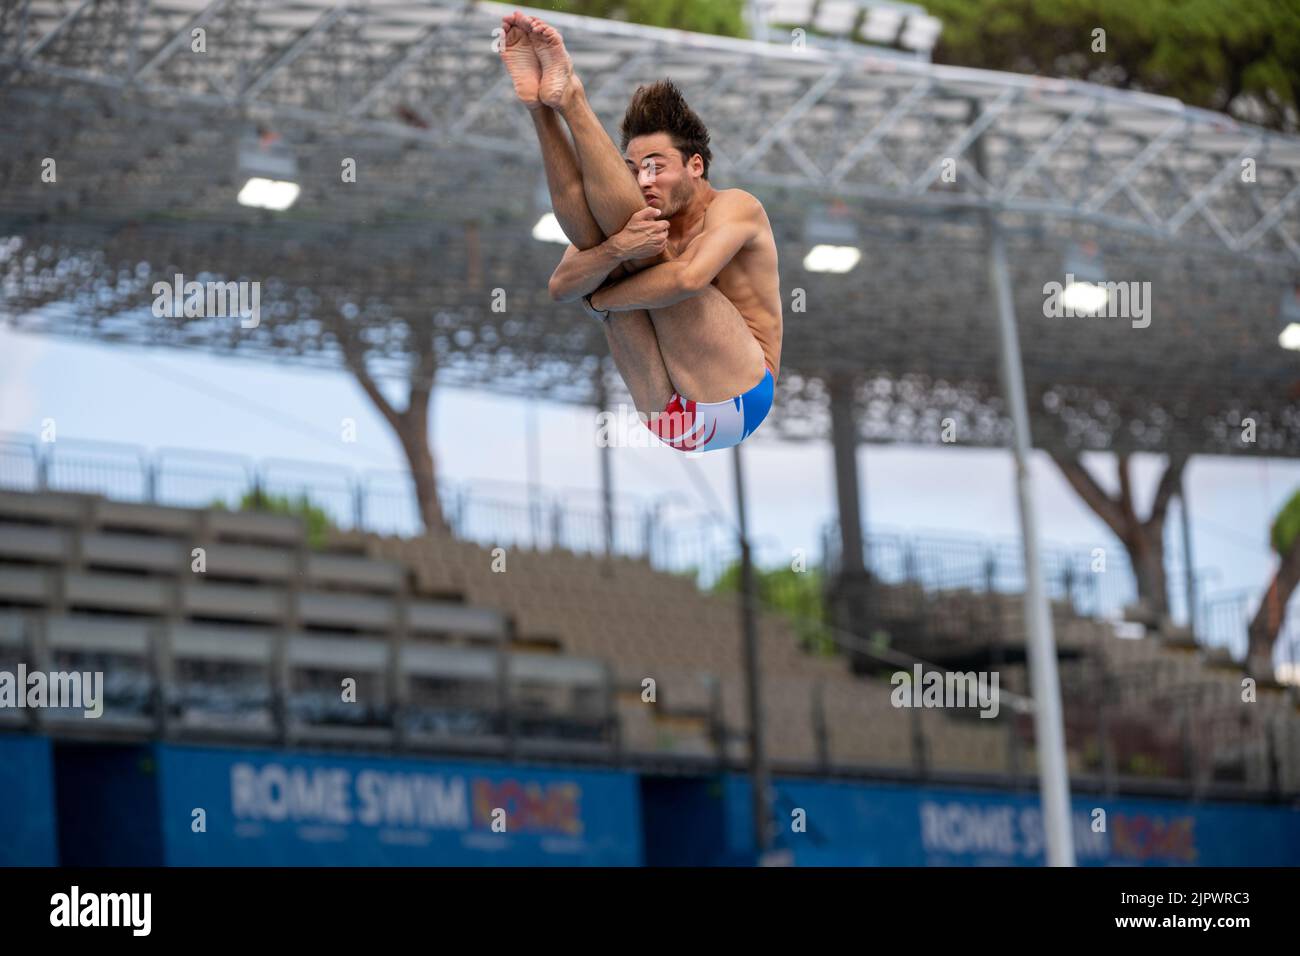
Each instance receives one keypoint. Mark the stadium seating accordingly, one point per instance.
(454, 645)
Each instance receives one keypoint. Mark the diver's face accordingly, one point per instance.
(666, 181)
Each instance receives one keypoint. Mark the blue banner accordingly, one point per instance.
(27, 830)
(252, 808)
(822, 823)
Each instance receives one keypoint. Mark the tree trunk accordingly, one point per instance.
(419, 455)
(410, 424)
(1264, 628)
(1143, 540)
(1147, 555)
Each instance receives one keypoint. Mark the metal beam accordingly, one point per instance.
(930, 90)
(492, 94)
(1270, 219)
(295, 50)
(825, 83)
(409, 59)
(871, 141)
(58, 28)
(1150, 215)
(968, 136)
(1137, 164)
(801, 159)
(1200, 198)
(180, 38)
(1047, 149)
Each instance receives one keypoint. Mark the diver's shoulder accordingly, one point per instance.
(738, 201)
(738, 197)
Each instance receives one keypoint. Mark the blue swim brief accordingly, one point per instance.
(709, 426)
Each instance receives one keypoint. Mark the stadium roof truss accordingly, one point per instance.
(919, 161)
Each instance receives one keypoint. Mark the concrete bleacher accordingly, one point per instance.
(203, 619)
(556, 634)
(549, 653)
(650, 625)
(1193, 697)
(1186, 698)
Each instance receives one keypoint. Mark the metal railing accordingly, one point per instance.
(489, 512)
(1096, 582)
(498, 513)
(1224, 622)
(942, 562)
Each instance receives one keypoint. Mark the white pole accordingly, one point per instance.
(757, 21)
(758, 770)
(532, 467)
(1053, 775)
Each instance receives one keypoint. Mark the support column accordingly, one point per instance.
(757, 18)
(1053, 777)
(844, 442)
(532, 468)
(753, 679)
(1189, 569)
(849, 589)
(605, 452)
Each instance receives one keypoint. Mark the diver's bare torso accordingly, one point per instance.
(750, 280)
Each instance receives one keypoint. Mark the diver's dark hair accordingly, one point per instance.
(661, 108)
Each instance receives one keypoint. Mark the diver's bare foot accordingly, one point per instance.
(557, 67)
(520, 60)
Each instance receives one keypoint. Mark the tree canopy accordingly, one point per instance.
(1225, 55)
(1233, 57)
(1286, 526)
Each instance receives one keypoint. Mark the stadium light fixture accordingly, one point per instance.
(833, 239)
(883, 23)
(836, 17)
(269, 170)
(1289, 338)
(921, 33)
(548, 229)
(1085, 275)
(1085, 298)
(276, 194)
(795, 12)
(828, 258)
